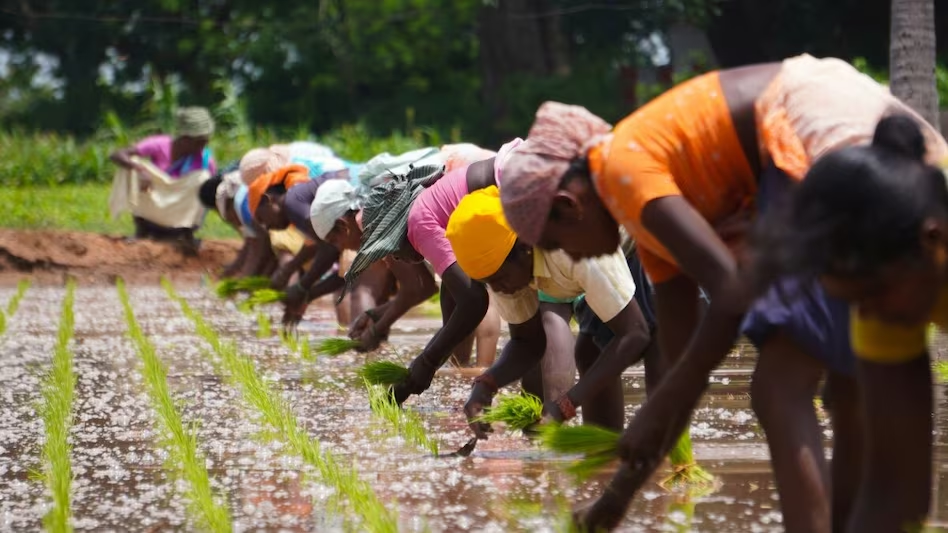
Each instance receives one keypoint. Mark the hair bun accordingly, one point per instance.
(900, 134)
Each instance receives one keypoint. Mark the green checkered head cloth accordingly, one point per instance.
(385, 217)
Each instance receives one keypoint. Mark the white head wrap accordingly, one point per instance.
(334, 199)
(226, 191)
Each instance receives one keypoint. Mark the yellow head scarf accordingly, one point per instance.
(479, 233)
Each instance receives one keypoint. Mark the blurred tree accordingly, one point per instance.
(912, 56)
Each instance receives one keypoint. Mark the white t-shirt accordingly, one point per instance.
(605, 280)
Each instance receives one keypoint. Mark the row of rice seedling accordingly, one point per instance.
(13, 304)
(58, 389)
(180, 439)
(404, 422)
(267, 401)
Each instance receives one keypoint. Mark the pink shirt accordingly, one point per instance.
(428, 218)
(157, 148)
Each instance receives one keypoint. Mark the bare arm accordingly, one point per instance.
(626, 348)
(524, 350)
(665, 414)
(122, 157)
(472, 301)
(415, 285)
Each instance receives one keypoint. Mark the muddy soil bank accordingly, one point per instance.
(49, 256)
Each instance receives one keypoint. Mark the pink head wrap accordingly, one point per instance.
(258, 162)
(533, 172)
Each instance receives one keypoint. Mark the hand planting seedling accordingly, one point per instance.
(227, 288)
(685, 470)
(261, 297)
(383, 373)
(336, 346)
(516, 411)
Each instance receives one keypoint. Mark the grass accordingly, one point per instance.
(180, 439)
(404, 422)
(336, 346)
(58, 389)
(685, 471)
(599, 445)
(230, 287)
(383, 373)
(262, 396)
(80, 208)
(517, 411)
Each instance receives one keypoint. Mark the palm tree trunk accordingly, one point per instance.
(912, 56)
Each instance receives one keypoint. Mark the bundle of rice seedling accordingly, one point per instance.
(685, 470)
(229, 287)
(261, 297)
(517, 411)
(383, 373)
(336, 346)
(599, 445)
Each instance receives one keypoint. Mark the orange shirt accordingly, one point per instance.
(682, 143)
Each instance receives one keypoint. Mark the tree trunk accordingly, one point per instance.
(912, 56)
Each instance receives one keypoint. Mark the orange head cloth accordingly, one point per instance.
(288, 177)
(479, 233)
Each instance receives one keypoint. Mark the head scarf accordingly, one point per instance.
(334, 199)
(288, 177)
(464, 154)
(385, 217)
(532, 173)
(193, 122)
(384, 166)
(227, 190)
(258, 162)
(479, 234)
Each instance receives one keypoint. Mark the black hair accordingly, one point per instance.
(208, 192)
(857, 209)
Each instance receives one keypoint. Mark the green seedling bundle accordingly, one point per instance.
(516, 411)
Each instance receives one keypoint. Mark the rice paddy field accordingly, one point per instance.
(162, 408)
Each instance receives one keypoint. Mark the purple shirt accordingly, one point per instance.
(299, 200)
(157, 148)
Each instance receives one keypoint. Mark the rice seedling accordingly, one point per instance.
(180, 439)
(227, 288)
(383, 373)
(336, 346)
(404, 422)
(517, 411)
(599, 445)
(264, 329)
(261, 297)
(266, 400)
(297, 345)
(14, 302)
(685, 471)
(941, 371)
(58, 388)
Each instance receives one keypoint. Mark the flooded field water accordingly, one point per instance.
(123, 480)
